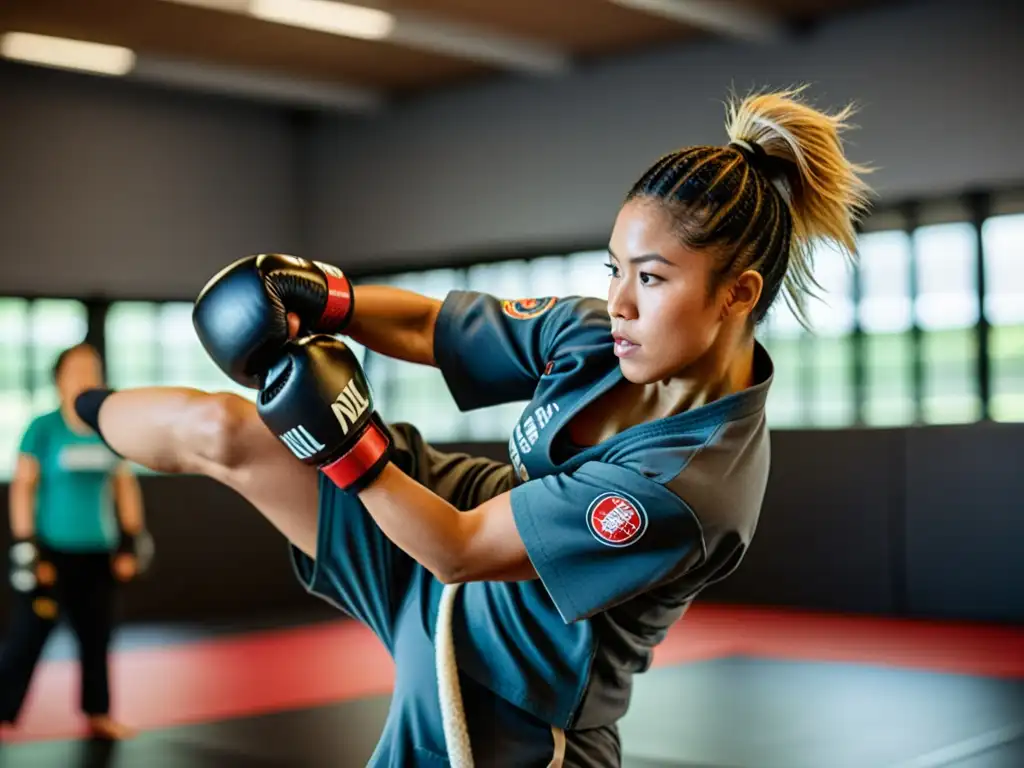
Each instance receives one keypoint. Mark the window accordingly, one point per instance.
(55, 324)
(1004, 310)
(133, 348)
(830, 346)
(549, 276)
(15, 394)
(32, 334)
(155, 344)
(587, 274)
(886, 317)
(783, 336)
(947, 311)
(408, 392)
(507, 280)
(183, 361)
(914, 299)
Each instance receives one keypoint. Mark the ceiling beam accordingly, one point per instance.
(475, 44)
(270, 88)
(723, 17)
(433, 34)
(229, 6)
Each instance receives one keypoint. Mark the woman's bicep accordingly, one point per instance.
(26, 470)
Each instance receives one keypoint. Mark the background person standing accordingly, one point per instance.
(77, 523)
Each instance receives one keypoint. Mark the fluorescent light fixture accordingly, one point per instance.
(423, 32)
(326, 16)
(67, 54)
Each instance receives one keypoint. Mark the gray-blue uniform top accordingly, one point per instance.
(623, 534)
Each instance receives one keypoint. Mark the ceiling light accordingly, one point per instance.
(67, 54)
(326, 16)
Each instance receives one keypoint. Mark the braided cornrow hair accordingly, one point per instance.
(764, 201)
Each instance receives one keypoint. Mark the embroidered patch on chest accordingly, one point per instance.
(525, 309)
(616, 519)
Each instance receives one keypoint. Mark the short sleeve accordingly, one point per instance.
(32, 439)
(357, 569)
(494, 351)
(604, 534)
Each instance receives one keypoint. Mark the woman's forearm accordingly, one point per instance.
(23, 516)
(424, 525)
(395, 323)
(482, 544)
(128, 501)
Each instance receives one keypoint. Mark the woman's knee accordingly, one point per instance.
(221, 428)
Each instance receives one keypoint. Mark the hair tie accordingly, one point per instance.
(775, 169)
(754, 153)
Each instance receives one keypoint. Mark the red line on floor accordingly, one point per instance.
(277, 670)
(222, 678)
(957, 648)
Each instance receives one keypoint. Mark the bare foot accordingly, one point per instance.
(103, 727)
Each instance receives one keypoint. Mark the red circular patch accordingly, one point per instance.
(616, 520)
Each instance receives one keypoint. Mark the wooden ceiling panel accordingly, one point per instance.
(194, 34)
(580, 27)
(198, 36)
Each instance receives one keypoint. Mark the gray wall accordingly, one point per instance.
(110, 188)
(106, 188)
(524, 165)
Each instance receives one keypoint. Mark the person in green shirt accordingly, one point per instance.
(77, 521)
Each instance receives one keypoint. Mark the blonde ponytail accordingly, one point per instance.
(823, 189)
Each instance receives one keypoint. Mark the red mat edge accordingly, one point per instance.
(284, 669)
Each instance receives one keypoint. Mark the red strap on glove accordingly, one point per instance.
(361, 464)
(339, 299)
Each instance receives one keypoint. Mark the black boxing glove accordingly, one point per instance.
(24, 557)
(241, 315)
(27, 556)
(318, 402)
(138, 545)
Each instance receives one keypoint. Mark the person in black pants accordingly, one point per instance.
(77, 520)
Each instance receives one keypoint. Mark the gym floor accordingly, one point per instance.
(730, 688)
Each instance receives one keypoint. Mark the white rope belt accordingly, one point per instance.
(453, 716)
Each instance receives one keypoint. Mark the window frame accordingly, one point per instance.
(907, 216)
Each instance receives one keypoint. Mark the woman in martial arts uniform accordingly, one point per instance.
(541, 586)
